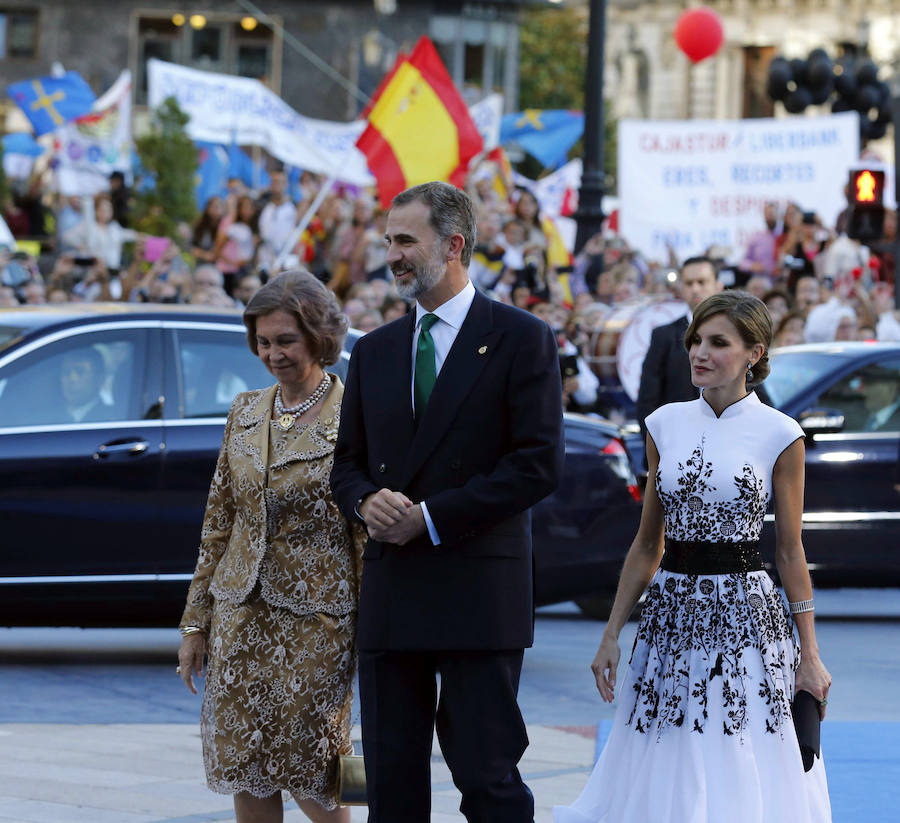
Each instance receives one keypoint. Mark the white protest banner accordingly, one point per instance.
(487, 115)
(90, 148)
(224, 108)
(692, 184)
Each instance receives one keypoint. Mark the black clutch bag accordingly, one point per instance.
(807, 723)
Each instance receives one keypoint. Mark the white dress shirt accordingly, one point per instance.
(450, 319)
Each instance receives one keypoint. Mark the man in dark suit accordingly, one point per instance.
(666, 373)
(450, 431)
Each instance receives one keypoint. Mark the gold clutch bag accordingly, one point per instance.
(352, 781)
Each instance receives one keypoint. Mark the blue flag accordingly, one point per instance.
(49, 102)
(547, 134)
(212, 172)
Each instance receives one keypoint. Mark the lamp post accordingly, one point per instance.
(590, 197)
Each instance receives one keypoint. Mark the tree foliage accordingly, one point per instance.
(169, 161)
(553, 46)
(552, 58)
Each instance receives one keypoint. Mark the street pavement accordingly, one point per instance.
(95, 725)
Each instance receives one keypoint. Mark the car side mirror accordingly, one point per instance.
(821, 421)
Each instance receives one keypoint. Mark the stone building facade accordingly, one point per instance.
(355, 39)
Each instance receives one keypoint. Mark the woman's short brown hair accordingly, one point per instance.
(316, 309)
(750, 317)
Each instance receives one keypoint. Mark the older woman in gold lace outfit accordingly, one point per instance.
(273, 600)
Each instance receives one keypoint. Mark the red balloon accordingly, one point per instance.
(698, 33)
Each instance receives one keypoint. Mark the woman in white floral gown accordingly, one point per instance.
(703, 730)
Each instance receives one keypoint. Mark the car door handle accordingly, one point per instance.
(131, 447)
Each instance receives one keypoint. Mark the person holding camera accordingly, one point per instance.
(579, 384)
(101, 237)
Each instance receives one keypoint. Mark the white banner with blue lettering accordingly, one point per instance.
(229, 109)
(691, 184)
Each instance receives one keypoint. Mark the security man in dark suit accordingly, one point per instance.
(450, 431)
(666, 373)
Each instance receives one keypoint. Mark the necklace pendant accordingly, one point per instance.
(286, 421)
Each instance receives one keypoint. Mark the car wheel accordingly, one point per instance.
(598, 606)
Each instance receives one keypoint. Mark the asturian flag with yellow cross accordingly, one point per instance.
(49, 102)
(547, 134)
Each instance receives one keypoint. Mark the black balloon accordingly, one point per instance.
(800, 71)
(865, 128)
(884, 115)
(867, 97)
(820, 73)
(845, 82)
(820, 95)
(779, 76)
(877, 130)
(885, 91)
(840, 104)
(798, 100)
(866, 73)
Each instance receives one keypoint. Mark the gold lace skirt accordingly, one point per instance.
(277, 701)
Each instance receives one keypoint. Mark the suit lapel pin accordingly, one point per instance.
(482, 350)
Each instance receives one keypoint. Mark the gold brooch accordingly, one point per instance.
(286, 421)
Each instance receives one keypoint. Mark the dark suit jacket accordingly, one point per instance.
(488, 447)
(666, 374)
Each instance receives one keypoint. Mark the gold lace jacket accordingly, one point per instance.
(312, 560)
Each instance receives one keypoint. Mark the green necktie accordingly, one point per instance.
(426, 371)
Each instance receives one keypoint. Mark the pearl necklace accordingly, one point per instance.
(287, 416)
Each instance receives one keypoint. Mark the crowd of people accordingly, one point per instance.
(818, 284)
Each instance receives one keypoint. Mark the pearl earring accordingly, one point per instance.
(749, 372)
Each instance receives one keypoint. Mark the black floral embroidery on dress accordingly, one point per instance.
(695, 629)
(690, 517)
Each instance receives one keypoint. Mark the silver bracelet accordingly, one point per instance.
(187, 631)
(799, 606)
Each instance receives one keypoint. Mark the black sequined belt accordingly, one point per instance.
(703, 557)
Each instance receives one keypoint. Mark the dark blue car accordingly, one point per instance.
(102, 492)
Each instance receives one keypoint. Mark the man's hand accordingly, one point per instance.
(391, 517)
(384, 508)
(408, 528)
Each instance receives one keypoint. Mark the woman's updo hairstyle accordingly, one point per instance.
(750, 317)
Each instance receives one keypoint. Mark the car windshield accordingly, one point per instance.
(795, 371)
(8, 334)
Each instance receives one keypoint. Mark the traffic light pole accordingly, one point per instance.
(895, 119)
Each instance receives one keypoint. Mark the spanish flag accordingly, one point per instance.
(419, 127)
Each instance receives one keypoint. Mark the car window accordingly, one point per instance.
(869, 398)
(84, 378)
(793, 372)
(215, 366)
(8, 334)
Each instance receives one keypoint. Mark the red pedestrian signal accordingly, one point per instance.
(867, 186)
(865, 218)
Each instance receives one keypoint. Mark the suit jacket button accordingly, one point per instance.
(382, 468)
(455, 464)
